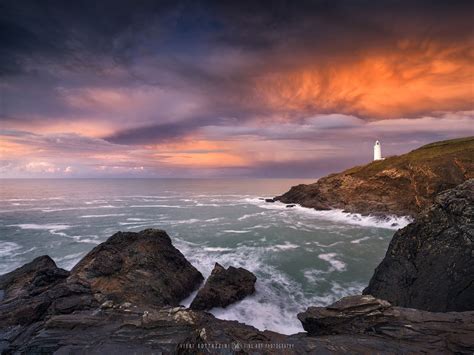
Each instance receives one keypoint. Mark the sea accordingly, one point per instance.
(301, 257)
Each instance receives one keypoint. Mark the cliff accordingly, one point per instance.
(399, 185)
(429, 264)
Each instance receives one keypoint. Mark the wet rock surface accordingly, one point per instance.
(37, 289)
(376, 188)
(413, 330)
(143, 268)
(224, 287)
(429, 264)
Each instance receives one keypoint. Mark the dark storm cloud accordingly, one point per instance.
(157, 133)
(74, 32)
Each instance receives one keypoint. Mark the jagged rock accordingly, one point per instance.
(25, 291)
(429, 264)
(224, 287)
(34, 277)
(400, 185)
(39, 289)
(366, 315)
(141, 268)
(271, 200)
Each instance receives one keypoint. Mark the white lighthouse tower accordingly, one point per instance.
(377, 151)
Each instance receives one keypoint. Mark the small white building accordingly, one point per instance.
(377, 151)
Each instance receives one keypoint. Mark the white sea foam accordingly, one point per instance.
(214, 219)
(321, 245)
(314, 276)
(235, 231)
(60, 209)
(94, 202)
(153, 206)
(199, 204)
(48, 226)
(277, 299)
(69, 261)
(7, 248)
(217, 249)
(280, 247)
(250, 215)
(103, 215)
(336, 215)
(357, 241)
(335, 263)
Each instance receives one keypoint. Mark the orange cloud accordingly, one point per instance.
(200, 154)
(410, 80)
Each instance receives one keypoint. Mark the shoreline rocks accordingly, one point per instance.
(224, 287)
(412, 329)
(142, 268)
(429, 264)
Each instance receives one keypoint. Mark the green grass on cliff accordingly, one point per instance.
(461, 148)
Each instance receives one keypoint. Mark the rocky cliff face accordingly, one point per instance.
(429, 264)
(400, 185)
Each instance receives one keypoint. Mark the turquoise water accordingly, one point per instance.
(301, 257)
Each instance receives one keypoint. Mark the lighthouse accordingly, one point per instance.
(377, 151)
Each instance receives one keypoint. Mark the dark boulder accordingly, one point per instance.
(224, 287)
(141, 268)
(270, 200)
(429, 264)
(290, 206)
(406, 329)
(25, 291)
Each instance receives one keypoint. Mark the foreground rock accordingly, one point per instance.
(224, 287)
(376, 188)
(141, 268)
(429, 264)
(45, 309)
(412, 329)
(38, 289)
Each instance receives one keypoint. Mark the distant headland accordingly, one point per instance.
(395, 185)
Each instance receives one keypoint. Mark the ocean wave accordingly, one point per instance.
(321, 245)
(217, 219)
(103, 215)
(69, 261)
(235, 231)
(277, 299)
(93, 202)
(357, 241)
(48, 226)
(335, 215)
(152, 206)
(335, 263)
(60, 209)
(217, 249)
(250, 215)
(280, 247)
(7, 248)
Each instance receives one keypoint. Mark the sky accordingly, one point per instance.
(228, 88)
